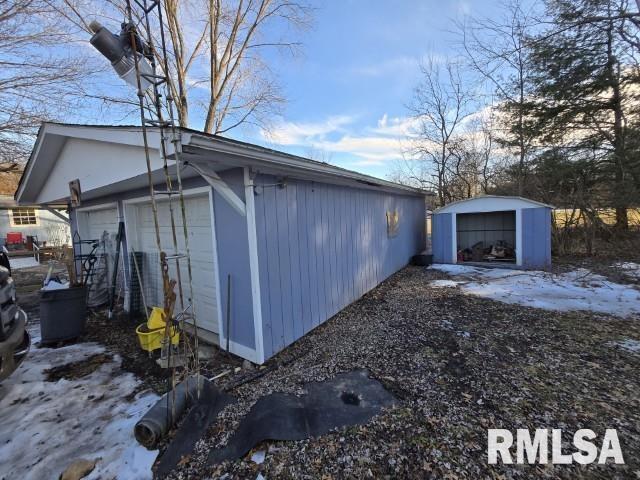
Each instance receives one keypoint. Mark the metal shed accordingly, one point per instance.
(509, 231)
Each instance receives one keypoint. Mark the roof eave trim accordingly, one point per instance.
(285, 160)
(30, 162)
(505, 197)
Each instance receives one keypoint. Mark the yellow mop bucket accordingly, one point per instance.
(150, 334)
(156, 319)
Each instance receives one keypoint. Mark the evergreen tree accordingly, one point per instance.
(586, 91)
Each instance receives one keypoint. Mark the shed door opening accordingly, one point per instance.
(486, 237)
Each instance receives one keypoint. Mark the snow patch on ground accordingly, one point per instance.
(443, 283)
(45, 426)
(630, 269)
(575, 290)
(22, 262)
(628, 344)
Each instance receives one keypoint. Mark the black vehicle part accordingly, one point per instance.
(8, 307)
(4, 261)
(15, 347)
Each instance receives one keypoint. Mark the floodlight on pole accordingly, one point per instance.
(118, 50)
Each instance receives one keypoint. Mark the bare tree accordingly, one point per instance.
(219, 76)
(498, 49)
(474, 157)
(37, 81)
(319, 154)
(440, 105)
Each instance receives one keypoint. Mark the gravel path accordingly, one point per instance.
(460, 365)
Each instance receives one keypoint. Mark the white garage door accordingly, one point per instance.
(92, 225)
(202, 256)
(99, 221)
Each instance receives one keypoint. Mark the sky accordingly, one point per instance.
(347, 94)
(347, 91)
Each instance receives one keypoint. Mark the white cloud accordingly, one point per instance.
(383, 121)
(371, 145)
(305, 133)
(371, 150)
(463, 8)
(396, 126)
(387, 140)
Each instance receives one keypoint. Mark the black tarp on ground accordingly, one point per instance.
(348, 399)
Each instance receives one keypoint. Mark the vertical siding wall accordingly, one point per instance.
(442, 238)
(321, 247)
(233, 258)
(536, 237)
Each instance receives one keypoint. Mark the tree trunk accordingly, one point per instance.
(620, 197)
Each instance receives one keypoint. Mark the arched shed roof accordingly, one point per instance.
(491, 203)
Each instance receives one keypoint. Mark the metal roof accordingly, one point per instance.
(452, 206)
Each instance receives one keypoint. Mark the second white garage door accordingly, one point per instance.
(96, 222)
(203, 262)
(101, 223)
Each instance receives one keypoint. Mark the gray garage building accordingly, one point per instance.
(290, 240)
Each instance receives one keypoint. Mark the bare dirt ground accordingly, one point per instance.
(459, 365)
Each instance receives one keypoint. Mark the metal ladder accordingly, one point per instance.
(152, 117)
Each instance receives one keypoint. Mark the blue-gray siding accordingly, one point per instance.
(321, 247)
(233, 259)
(536, 237)
(442, 241)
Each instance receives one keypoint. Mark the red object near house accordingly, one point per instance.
(14, 237)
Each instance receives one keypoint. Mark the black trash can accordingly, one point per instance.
(63, 314)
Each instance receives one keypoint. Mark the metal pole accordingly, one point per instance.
(116, 264)
(144, 301)
(228, 310)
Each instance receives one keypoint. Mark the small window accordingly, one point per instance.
(24, 216)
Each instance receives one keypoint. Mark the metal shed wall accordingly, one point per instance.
(321, 247)
(441, 238)
(536, 237)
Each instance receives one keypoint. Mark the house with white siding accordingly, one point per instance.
(290, 241)
(48, 225)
